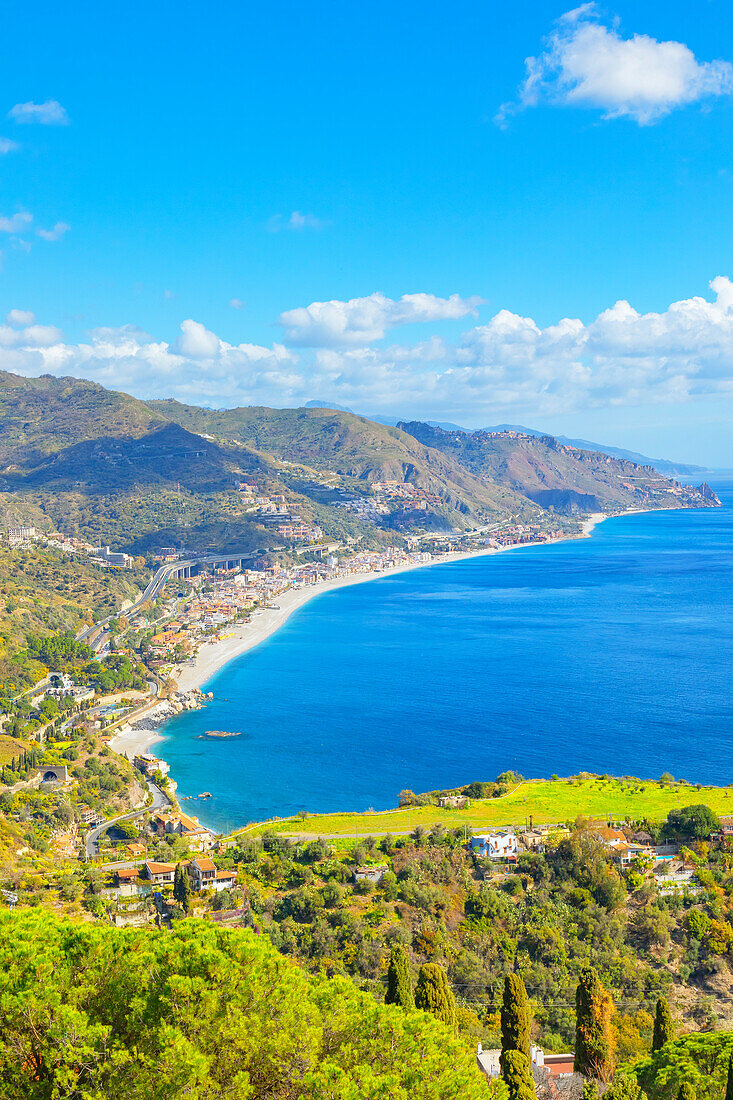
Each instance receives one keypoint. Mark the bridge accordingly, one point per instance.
(183, 569)
(189, 567)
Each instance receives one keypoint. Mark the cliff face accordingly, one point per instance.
(708, 495)
(559, 476)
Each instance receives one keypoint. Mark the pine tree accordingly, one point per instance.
(399, 985)
(593, 1039)
(433, 994)
(663, 1027)
(686, 1091)
(516, 1020)
(517, 1076)
(729, 1085)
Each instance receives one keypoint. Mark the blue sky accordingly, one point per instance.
(163, 161)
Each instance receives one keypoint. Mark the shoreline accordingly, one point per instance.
(215, 655)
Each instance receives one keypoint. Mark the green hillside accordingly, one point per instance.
(45, 591)
(551, 473)
(353, 447)
(106, 467)
(39, 416)
(93, 1011)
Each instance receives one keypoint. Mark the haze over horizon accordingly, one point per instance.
(492, 217)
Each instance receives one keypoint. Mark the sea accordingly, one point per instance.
(610, 654)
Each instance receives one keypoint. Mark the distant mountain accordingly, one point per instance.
(327, 405)
(551, 473)
(352, 447)
(664, 465)
(112, 469)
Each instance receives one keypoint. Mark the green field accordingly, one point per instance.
(545, 800)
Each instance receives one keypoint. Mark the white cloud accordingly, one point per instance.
(296, 221)
(237, 303)
(508, 368)
(33, 337)
(50, 113)
(7, 146)
(54, 234)
(588, 64)
(362, 320)
(169, 295)
(18, 317)
(197, 342)
(16, 223)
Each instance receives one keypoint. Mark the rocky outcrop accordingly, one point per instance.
(708, 495)
(169, 708)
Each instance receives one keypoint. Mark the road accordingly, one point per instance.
(160, 801)
(155, 584)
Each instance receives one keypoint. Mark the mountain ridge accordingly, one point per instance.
(104, 465)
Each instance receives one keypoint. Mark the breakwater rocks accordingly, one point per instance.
(169, 708)
(185, 700)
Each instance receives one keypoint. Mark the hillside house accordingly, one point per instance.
(495, 845)
(453, 801)
(125, 875)
(149, 764)
(543, 1065)
(198, 838)
(533, 840)
(204, 875)
(202, 872)
(159, 873)
(370, 874)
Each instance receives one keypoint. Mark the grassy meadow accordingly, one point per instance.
(544, 800)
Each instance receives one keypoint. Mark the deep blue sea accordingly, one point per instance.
(608, 654)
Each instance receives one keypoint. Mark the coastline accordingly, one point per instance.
(215, 655)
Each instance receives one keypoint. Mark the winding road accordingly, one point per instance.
(160, 801)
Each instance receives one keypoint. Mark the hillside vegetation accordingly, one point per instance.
(203, 1013)
(544, 800)
(45, 591)
(106, 467)
(548, 472)
(350, 445)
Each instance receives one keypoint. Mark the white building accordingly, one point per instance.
(495, 845)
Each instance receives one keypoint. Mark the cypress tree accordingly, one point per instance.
(593, 1039)
(433, 994)
(182, 887)
(729, 1084)
(186, 890)
(515, 1018)
(517, 1076)
(663, 1027)
(399, 985)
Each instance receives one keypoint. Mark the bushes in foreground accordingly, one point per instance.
(92, 1011)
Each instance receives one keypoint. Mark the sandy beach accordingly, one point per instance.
(214, 655)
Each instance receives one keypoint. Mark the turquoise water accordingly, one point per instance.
(610, 654)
